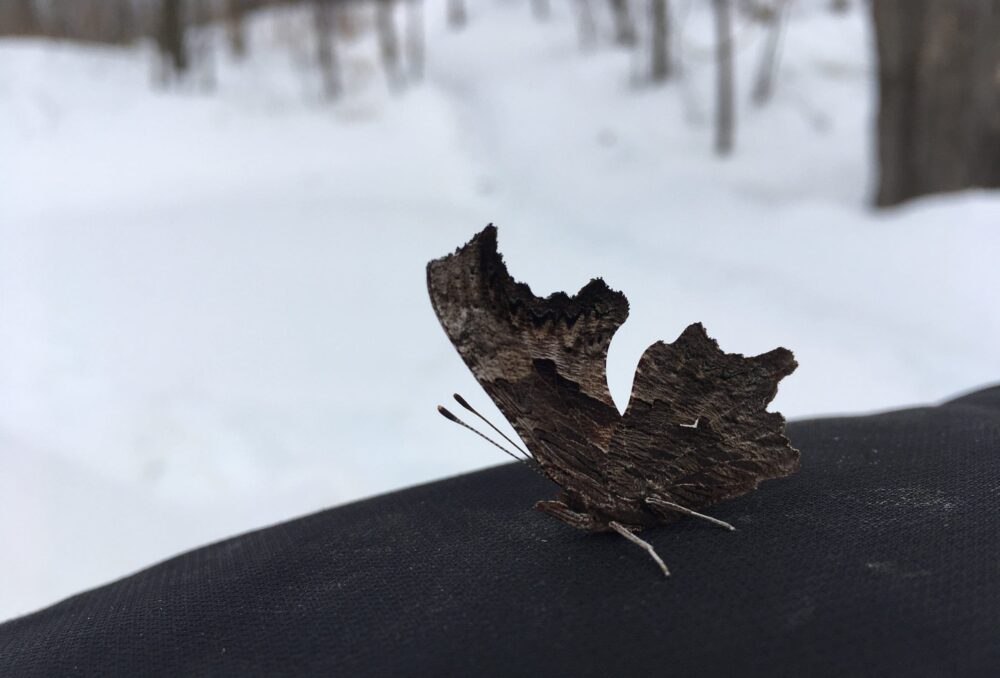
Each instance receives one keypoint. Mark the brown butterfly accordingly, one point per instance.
(696, 430)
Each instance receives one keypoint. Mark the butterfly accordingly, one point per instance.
(696, 430)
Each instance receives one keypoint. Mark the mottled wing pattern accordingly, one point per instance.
(697, 430)
(542, 361)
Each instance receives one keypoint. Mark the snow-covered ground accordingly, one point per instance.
(212, 306)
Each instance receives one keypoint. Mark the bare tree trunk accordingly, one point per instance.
(660, 67)
(939, 96)
(586, 23)
(89, 25)
(324, 23)
(388, 40)
(764, 86)
(202, 53)
(725, 114)
(415, 38)
(127, 21)
(60, 22)
(624, 28)
(457, 17)
(236, 27)
(172, 40)
(106, 22)
(20, 17)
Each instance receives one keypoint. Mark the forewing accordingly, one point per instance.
(697, 430)
(542, 361)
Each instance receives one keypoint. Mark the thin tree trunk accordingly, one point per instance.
(20, 18)
(457, 17)
(117, 22)
(415, 38)
(172, 41)
(939, 96)
(388, 40)
(202, 53)
(624, 28)
(236, 27)
(764, 85)
(725, 114)
(660, 67)
(586, 23)
(324, 23)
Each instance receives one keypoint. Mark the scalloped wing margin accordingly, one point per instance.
(697, 430)
(542, 361)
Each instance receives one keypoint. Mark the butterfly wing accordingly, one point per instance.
(542, 361)
(697, 430)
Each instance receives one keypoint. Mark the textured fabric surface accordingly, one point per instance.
(880, 557)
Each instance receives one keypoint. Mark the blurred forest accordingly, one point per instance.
(938, 123)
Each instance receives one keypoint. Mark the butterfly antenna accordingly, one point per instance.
(531, 463)
(461, 401)
(451, 417)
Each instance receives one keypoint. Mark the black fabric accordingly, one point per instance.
(880, 557)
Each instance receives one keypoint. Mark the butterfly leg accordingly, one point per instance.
(581, 521)
(642, 543)
(671, 506)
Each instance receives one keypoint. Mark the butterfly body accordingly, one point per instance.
(696, 430)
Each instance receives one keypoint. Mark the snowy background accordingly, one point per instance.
(212, 305)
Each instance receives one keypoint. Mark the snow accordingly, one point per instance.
(212, 305)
